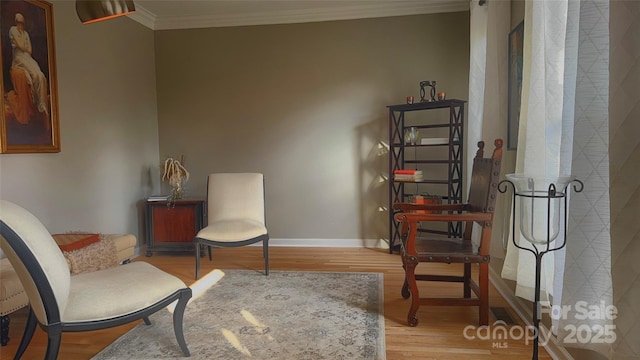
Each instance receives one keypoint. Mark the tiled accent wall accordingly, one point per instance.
(624, 170)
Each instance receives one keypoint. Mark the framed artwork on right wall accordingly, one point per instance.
(516, 39)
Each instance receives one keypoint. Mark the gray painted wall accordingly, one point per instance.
(305, 104)
(108, 131)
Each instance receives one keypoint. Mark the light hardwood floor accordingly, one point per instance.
(440, 333)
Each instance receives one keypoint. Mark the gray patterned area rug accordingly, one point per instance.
(286, 315)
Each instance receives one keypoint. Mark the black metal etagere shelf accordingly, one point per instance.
(450, 181)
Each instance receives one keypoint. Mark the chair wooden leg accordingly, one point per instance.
(467, 279)
(410, 272)
(405, 287)
(265, 254)
(178, 315)
(484, 293)
(197, 260)
(29, 329)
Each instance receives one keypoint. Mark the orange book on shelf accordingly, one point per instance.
(426, 199)
(404, 171)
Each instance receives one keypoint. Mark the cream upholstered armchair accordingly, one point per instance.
(236, 216)
(96, 300)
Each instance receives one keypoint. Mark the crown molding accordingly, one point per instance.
(144, 17)
(354, 10)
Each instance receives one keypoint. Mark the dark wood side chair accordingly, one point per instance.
(418, 248)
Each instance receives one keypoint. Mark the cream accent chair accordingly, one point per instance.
(12, 294)
(96, 300)
(236, 215)
(12, 297)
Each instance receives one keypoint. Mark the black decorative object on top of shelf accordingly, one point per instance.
(423, 92)
(439, 174)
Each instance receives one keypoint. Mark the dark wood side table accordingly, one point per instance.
(172, 225)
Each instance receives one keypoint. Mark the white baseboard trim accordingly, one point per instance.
(338, 243)
(555, 350)
(334, 243)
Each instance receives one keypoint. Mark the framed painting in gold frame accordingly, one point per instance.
(29, 103)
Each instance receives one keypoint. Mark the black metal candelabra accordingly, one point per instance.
(533, 199)
(432, 93)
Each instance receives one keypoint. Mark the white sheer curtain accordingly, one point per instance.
(488, 66)
(540, 150)
(477, 79)
(564, 130)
